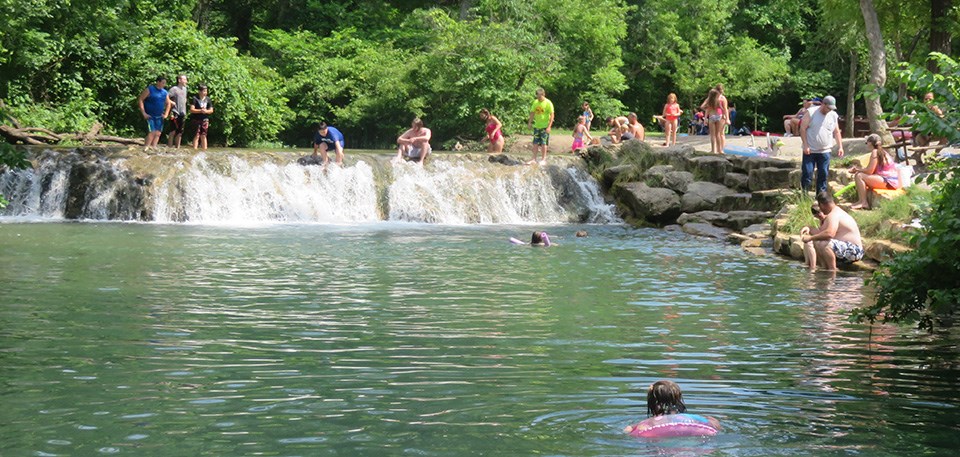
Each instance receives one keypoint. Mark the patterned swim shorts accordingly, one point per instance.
(845, 251)
(541, 137)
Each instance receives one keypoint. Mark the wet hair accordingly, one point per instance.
(672, 98)
(417, 122)
(536, 238)
(581, 233)
(664, 397)
(484, 114)
(824, 198)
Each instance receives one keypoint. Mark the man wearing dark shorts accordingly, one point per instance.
(178, 114)
(541, 120)
(328, 137)
(836, 240)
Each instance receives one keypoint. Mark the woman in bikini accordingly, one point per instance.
(494, 135)
(880, 173)
(715, 120)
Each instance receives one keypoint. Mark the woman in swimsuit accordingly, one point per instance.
(494, 135)
(671, 114)
(880, 173)
(715, 120)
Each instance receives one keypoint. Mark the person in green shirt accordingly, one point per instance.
(541, 119)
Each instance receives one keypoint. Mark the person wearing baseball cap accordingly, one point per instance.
(820, 132)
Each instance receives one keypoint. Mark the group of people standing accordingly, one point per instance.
(158, 104)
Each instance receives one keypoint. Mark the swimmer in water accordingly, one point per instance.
(537, 239)
(669, 416)
(663, 398)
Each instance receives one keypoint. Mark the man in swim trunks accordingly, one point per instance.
(836, 240)
(178, 115)
(155, 105)
(635, 127)
(415, 143)
(328, 137)
(619, 131)
(541, 120)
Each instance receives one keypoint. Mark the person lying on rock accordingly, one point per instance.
(836, 240)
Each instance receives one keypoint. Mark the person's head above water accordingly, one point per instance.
(664, 397)
(539, 238)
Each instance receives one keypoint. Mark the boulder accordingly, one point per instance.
(676, 155)
(755, 251)
(751, 242)
(610, 175)
(504, 159)
(738, 220)
(734, 202)
(673, 228)
(769, 200)
(709, 168)
(796, 248)
(737, 238)
(754, 163)
(653, 204)
(706, 230)
(702, 195)
(880, 250)
(655, 175)
(769, 178)
(737, 163)
(781, 243)
(708, 217)
(758, 230)
(737, 181)
(678, 181)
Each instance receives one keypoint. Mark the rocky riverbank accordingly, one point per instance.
(736, 199)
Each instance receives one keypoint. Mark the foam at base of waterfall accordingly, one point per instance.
(236, 191)
(24, 190)
(600, 212)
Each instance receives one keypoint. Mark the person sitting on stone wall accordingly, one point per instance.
(837, 238)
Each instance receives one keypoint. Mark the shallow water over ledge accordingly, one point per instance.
(393, 338)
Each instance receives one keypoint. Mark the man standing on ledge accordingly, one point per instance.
(837, 238)
(326, 138)
(178, 115)
(541, 119)
(819, 132)
(155, 105)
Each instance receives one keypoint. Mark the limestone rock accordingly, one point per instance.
(504, 159)
(611, 174)
(738, 181)
(676, 155)
(781, 243)
(677, 181)
(754, 163)
(737, 238)
(755, 251)
(796, 248)
(702, 195)
(710, 168)
(656, 175)
(708, 217)
(734, 202)
(653, 204)
(880, 250)
(673, 228)
(769, 178)
(758, 230)
(751, 242)
(706, 230)
(738, 220)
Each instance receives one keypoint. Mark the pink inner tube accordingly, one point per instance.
(676, 425)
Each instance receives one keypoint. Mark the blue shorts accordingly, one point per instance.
(155, 124)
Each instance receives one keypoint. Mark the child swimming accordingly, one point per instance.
(665, 404)
(538, 238)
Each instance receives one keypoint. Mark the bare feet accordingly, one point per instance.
(858, 206)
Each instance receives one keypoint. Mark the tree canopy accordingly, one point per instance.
(276, 67)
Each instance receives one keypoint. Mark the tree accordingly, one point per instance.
(878, 69)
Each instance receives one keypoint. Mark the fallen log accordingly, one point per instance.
(42, 136)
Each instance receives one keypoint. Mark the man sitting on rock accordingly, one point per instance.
(837, 238)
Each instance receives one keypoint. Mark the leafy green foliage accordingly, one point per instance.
(945, 88)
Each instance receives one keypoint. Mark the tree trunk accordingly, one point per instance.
(465, 6)
(852, 94)
(878, 70)
(940, 30)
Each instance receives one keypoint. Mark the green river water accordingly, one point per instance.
(410, 339)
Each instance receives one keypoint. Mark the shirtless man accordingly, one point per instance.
(635, 127)
(837, 238)
(618, 129)
(414, 143)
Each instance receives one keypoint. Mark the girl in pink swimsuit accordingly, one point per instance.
(579, 132)
(880, 173)
(671, 113)
(493, 129)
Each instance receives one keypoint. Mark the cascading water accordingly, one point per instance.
(235, 187)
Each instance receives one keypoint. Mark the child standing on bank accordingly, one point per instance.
(671, 116)
(587, 115)
(200, 111)
(579, 132)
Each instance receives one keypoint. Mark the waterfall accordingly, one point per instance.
(240, 187)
